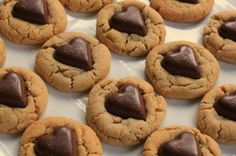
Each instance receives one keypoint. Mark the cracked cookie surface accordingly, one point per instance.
(23, 32)
(180, 87)
(176, 11)
(87, 143)
(15, 120)
(222, 49)
(3, 52)
(208, 147)
(116, 130)
(130, 44)
(68, 78)
(210, 122)
(85, 6)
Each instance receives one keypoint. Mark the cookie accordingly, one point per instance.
(73, 62)
(180, 140)
(130, 28)
(32, 21)
(59, 136)
(183, 11)
(85, 6)
(219, 36)
(216, 116)
(182, 70)
(3, 52)
(124, 112)
(23, 98)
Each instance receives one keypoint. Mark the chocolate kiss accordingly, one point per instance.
(185, 144)
(228, 30)
(76, 53)
(35, 11)
(190, 1)
(13, 91)
(61, 143)
(182, 62)
(226, 106)
(130, 21)
(127, 103)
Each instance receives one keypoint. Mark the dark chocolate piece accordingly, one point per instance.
(35, 11)
(127, 103)
(62, 142)
(13, 90)
(76, 53)
(226, 106)
(185, 144)
(228, 30)
(182, 62)
(130, 20)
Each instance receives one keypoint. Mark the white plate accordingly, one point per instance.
(74, 105)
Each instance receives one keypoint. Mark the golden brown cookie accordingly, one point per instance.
(130, 28)
(124, 112)
(218, 36)
(32, 21)
(73, 62)
(180, 140)
(59, 136)
(3, 52)
(85, 6)
(183, 10)
(216, 116)
(23, 98)
(182, 70)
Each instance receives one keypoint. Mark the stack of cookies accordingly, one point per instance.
(121, 112)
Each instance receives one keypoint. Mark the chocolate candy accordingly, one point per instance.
(13, 91)
(130, 20)
(182, 62)
(127, 103)
(76, 53)
(228, 30)
(185, 144)
(62, 142)
(35, 11)
(226, 106)
(190, 1)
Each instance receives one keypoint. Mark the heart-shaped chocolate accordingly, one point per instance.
(76, 53)
(228, 30)
(35, 11)
(127, 103)
(61, 143)
(190, 1)
(185, 144)
(182, 62)
(226, 106)
(13, 91)
(130, 20)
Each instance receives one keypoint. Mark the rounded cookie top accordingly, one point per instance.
(130, 28)
(73, 61)
(218, 36)
(124, 112)
(85, 6)
(183, 10)
(216, 116)
(32, 21)
(180, 140)
(182, 70)
(23, 98)
(59, 136)
(3, 52)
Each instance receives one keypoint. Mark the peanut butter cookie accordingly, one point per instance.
(124, 112)
(3, 52)
(182, 70)
(73, 62)
(23, 98)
